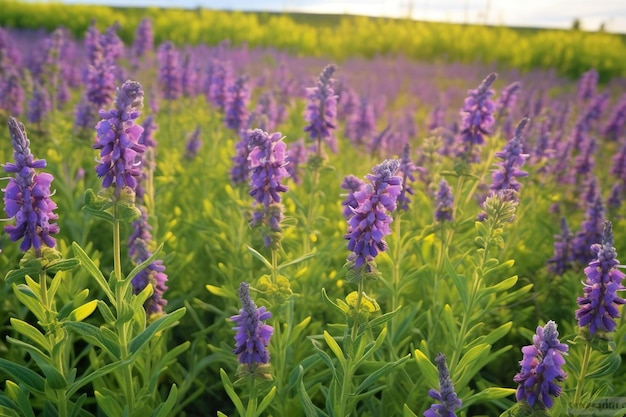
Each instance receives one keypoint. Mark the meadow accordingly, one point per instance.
(276, 219)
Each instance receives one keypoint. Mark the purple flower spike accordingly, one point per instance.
(505, 178)
(446, 395)
(615, 125)
(253, 335)
(444, 202)
(477, 118)
(144, 38)
(562, 259)
(39, 105)
(371, 219)
(27, 195)
(194, 143)
(118, 137)
(541, 368)
(153, 274)
(352, 184)
(297, 156)
(591, 230)
(236, 105)
(407, 168)
(587, 84)
(508, 98)
(170, 74)
(599, 307)
(321, 111)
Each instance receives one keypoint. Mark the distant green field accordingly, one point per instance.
(339, 36)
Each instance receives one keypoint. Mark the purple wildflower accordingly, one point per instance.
(321, 111)
(153, 274)
(220, 78)
(144, 38)
(141, 231)
(27, 195)
(268, 107)
(12, 94)
(615, 125)
(39, 105)
(352, 184)
(407, 168)
(591, 231)
(541, 368)
(477, 118)
(505, 178)
(189, 78)
(562, 259)
(437, 118)
(444, 202)
(113, 45)
(371, 219)
(587, 85)
(194, 143)
(169, 71)
(297, 156)
(599, 307)
(446, 395)
(253, 335)
(239, 172)
(508, 98)
(361, 124)
(236, 103)
(118, 136)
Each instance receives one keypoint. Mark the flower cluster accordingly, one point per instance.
(144, 38)
(562, 259)
(446, 395)
(541, 368)
(170, 71)
(153, 274)
(370, 221)
(321, 110)
(253, 335)
(27, 195)
(505, 178)
(236, 105)
(118, 137)
(599, 307)
(477, 118)
(352, 184)
(444, 203)
(407, 168)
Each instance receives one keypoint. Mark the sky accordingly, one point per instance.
(529, 13)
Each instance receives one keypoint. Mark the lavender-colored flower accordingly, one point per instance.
(587, 84)
(542, 150)
(508, 98)
(585, 160)
(361, 124)
(437, 118)
(352, 184)
(297, 155)
(153, 274)
(118, 137)
(599, 307)
(27, 195)
(407, 168)
(445, 395)
(444, 203)
(321, 111)
(562, 259)
(380, 141)
(12, 94)
(169, 71)
(141, 231)
(618, 169)
(189, 79)
(112, 44)
(505, 178)
(220, 78)
(477, 118)
(39, 105)
(615, 125)
(591, 231)
(371, 219)
(239, 172)
(268, 107)
(144, 38)
(541, 368)
(236, 106)
(194, 143)
(253, 335)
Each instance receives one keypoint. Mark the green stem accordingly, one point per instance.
(581, 377)
(346, 385)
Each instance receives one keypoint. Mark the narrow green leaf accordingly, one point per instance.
(106, 312)
(165, 408)
(53, 377)
(297, 260)
(19, 274)
(607, 366)
(310, 410)
(428, 370)
(325, 358)
(501, 286)
(334, 346)
(459, 282)
(221, 291)
(228, 386)
(30, 300)
(62, 265)
(98, 373)
(333, 305)
(93, 270)
(20, 396)
(220, 414)
(78, 406)
(142, 339)
(33, 381)
(384, 370)
(267, 400)
(94, 335)
(145, 263)
(109, 405)
(260, 257)
(102, 215)
(31, 332)
(84, 311)
(382, 319)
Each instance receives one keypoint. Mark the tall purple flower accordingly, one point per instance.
(153, 274)
(352, 184)
(118, 137)
(361, 124)
(407, 168)
(170, 74)
(477, 118)
(194, 143)
(266, 162)
(239, 172)
(541, 368)
(321, 110)
(505, 178)
(371, 219)
(562, 259)
(220, 78)
(189, 76)
(444, 204)
(446, 395)
(587, 85)
(591, 231)
(297, 156)
(39, 105)
(508, 98)
(27, 195)
(236, 106)
(144, 38)
(615, 125)
(12, 94)
(599, 307)
(253, 335)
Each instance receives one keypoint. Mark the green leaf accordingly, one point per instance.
(407, 412)
(428, 370)
(310, 410)
(19, 274)
(501, 286)
(62, 265)
(334, 346)
(93, 270)
(99, 214)
(384, 370)
(53, 377)
(108, 404)
(297, 260)
(221, 291)
(267, 400)
(99, 373)
(607, 366)
(106, 312)
(220, 414)
(31, 332)
(459, 282)
(325, 358)
(84, 311)
(142, 339)
(228, 386)
(333, 305)
(20, 396)
(382, 319)
(145, 263)
(260, 257)
(165, 408)
(33, 381)
(30, 300)
(94, 335)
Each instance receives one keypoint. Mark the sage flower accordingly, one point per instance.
(477, 118)
(446, 395)
(321, 110)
